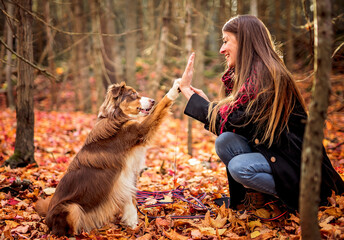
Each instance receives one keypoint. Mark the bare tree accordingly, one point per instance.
(98, 66)
(131, 42)
(109, 44)
(166, 18)
(9, 27)
(24, 144)
(289, 37)
(200, 28)
(254, 7)
(79, 56)
(277, 26)
(312, 152)
(240, 7)
(188, 47)
(50, 54)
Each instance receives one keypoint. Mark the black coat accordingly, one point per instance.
(284, 156)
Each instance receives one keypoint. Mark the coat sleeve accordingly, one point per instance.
(197, 108)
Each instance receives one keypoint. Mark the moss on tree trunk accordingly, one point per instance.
(20, 160)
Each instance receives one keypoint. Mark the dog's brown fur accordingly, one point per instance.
(100, 181)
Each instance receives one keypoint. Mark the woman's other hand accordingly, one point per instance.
(200, 92)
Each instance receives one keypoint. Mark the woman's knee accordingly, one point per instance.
(229, 144)
(237, 168)
(220, 143)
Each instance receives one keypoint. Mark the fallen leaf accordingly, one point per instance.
(218, 222)
(211, 231)
(334, 211)
(11, 224)
(147, 236)
(255, 234)
(262, 213)
(150, 201)
(196, 234)
(174, 235)
(49, 191)
(162, 222)
(207, 220)
(21, 229)
(13, 201)
(253, 224)
(167, 199)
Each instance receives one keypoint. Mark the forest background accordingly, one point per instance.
(80, 47)
(88, 45)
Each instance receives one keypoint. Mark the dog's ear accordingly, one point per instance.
(117, 89)
(107, 108)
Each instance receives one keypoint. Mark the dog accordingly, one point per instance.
(100, 182)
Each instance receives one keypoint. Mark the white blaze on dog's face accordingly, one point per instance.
(137, 107)
(146, 106)
(121, 99)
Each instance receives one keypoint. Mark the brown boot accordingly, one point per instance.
(253, 200)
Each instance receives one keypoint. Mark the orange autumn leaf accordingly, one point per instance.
(174, 235)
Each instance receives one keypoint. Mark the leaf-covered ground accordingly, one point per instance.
(58, 136)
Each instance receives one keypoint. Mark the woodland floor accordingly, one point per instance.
(59, 136)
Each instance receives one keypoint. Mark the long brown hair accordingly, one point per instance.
(277, 92)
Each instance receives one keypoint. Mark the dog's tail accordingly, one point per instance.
(42, 206)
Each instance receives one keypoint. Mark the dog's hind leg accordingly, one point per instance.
(57, 221)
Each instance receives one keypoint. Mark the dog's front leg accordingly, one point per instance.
(130, 217)
(153, 121)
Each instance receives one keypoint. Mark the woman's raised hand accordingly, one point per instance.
(185, 83)
(188, 73)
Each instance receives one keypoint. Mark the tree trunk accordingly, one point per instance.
(277, 26)
(188, 47)
(240, 7)
(263, 11)
(151, 33)
(166, 18)
(75, 54)
(119, 68)
(223, 17)
(97, 54)
(312, 147)
(110, 46)
(50, 54)
(24, 143)
(289, 38)
(10, 98)
(140, 41)
(131, 43)
(254, 7)
(214, 33)
(200, 29)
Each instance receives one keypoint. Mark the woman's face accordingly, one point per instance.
(229, 48)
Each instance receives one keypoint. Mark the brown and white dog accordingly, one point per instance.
(100, 182)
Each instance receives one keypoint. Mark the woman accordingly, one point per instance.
(260, 120)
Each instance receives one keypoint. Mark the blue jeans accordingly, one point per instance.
(251, 169)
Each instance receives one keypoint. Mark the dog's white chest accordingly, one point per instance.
(136, 159)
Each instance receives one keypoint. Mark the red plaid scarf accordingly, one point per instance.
(247, 92)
